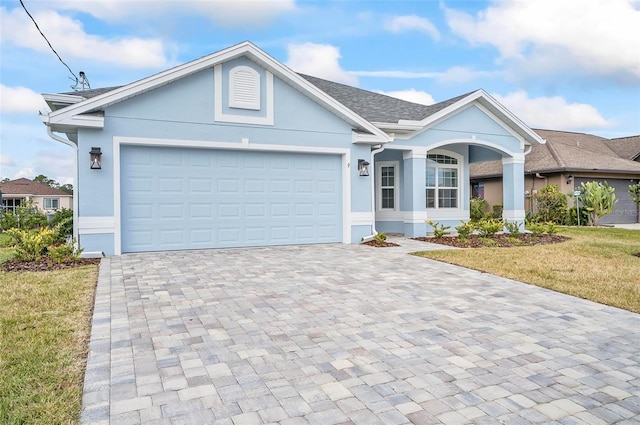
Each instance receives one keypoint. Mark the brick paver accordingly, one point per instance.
(331, 334)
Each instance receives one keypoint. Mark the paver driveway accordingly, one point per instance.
(348, 334)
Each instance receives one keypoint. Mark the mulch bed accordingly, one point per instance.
(499, 241)
(379, 244)
(45, 264)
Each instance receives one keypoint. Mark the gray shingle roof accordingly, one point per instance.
(565, 151)
(376, 107)
(88, 94)
(626, 147)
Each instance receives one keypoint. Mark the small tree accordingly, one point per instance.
(597, 198)
(552, 204)
(478, 208)
(634, 193)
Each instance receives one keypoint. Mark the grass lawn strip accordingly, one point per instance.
(44, 330)
(597, 264)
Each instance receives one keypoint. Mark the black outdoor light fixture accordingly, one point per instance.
(569, 179)
(96, 161)
(363, 167)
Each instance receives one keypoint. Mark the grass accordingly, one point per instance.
(44, 330)
(596, 264)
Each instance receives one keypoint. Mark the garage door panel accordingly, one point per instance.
(625, 210)
(227, 198)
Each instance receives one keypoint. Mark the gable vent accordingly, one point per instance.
(244, 88)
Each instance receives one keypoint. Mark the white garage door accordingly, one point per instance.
(177, 198)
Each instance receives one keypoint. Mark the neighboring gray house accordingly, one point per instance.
(235, 149)
(567, 160)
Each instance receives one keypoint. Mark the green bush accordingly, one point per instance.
(539, 229)
(598, 198)
(464, 229)
(512, 227)
(62, 219)
(552, 204)
(380, 237)
(477, 208)
(439, 230)
(572, 218)
(65, 252)
(489, 227)
(26, 216)
(31, 244)
(496, 211)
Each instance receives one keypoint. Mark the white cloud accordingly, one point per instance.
(552, 112)
(396, 74)
(318, 60)
(27, 173)
(246, 13)
(411, 95)
(69, 38)
(411, 23)
(594, 37)
(7, 161)
(20, 99)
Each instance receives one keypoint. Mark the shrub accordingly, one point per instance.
(598, 198)
(634, 193)
(31, 244)
(496, 211)
(512, 227)
(64, 252)
(572, 217)
(439, 230)
(477, 208)
(380, 237)
(539, 229)
(464, 230)
(63, 220)
(552, 204)
(26, 216)
(489, 227)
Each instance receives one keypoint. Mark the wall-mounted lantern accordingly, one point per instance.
(569, 179)
(96, 161)
(363, 167)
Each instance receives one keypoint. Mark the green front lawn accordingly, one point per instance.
(44, 330)
(597, 264)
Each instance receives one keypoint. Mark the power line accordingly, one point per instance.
(47, 40)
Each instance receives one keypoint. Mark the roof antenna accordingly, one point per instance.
(81, 84)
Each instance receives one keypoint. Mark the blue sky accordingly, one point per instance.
(566, 65)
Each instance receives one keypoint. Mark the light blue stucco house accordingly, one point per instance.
(235, 149)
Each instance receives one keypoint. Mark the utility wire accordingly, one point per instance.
(47, 40)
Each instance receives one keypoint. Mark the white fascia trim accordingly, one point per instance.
(62, 98)
(94, 225)
(220, 116)
(402, 125)
(84, 121)
(244, 48)
(244, 144)
(514, 215)
(361, 218)
(368, 139)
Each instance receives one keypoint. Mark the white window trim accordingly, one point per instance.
(239, 103)
(396, 186)
(442, 211)
(44, 203)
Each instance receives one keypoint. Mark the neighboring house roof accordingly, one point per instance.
(565, 152)
(626, 147)
(367, 111)
(26, 187)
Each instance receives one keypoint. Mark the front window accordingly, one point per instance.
(387, 178)
(10, 204)
(51, 203)
(442, 181)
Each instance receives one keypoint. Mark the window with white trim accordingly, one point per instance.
(244, 88)
(442, 183)
(387, 186)
(51, 203)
